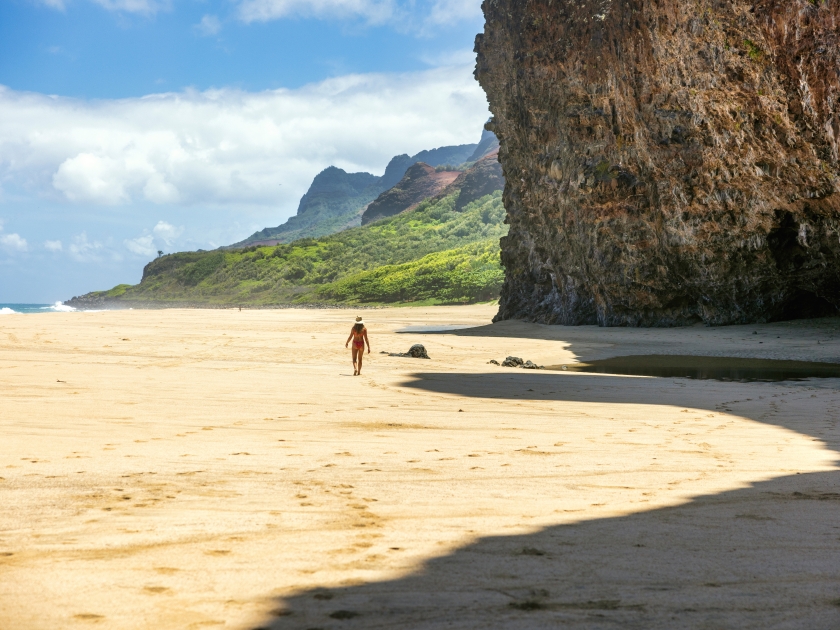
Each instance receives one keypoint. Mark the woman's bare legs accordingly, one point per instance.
(355, 352)
(359, 360)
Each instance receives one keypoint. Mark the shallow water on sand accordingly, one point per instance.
(434, 328)
(700, 367)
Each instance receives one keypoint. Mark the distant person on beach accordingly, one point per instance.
(359, 336)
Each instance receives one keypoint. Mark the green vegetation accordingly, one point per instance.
(117, 291)
(432, 254)
(466, 274)
(755, 53)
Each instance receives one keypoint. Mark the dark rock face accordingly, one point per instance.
(420, 182)
(395, 170)
(666, 162)
(333, 184)
(482, 178)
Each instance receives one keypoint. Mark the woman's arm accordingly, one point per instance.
(366, 340)
(349, 338)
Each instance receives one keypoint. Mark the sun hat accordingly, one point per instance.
(359, 320)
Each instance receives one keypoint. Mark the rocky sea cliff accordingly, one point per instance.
(666, 162)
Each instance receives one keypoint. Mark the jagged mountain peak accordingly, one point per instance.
(336, 199)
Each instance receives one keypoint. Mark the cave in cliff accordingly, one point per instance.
(666, 162)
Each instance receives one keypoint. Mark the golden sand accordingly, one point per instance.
(218, 468)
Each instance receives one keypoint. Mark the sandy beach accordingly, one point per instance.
(217, 468)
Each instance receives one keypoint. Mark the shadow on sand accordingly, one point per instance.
(763, 556)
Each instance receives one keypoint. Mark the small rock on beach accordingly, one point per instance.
(517, 362)
(417, 351)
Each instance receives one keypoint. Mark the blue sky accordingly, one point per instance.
(128, 126)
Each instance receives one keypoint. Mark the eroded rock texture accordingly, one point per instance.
(666, 162)
(420, 182)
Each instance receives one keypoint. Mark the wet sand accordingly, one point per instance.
(191, 469)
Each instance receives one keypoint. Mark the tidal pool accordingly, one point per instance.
(701, 367)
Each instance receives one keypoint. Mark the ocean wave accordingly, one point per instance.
(7, 311)
(58, 307)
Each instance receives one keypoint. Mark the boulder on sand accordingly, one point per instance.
(515, 362)
(417, 351)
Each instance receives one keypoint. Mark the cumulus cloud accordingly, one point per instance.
(374, 11)
(449, 11)
(209, 25)
(131, 6)
(223, 147)
(13, 243)
(53, 246)
(167, 232)
(148, 244)
(142, 245)
(89, 177)
(406, 15)
(83, 249)
(147, 7)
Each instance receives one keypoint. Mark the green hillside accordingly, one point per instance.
(433, 254)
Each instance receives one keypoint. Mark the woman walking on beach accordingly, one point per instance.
(359, 336)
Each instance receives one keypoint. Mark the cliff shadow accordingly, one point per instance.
(803, 339)
(763, 556)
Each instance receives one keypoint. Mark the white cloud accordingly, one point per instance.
(167, 232)
(53, 246)
(374, 11)
(147, 7)
(142, 245)
(88, 177)
(209, 25)
(158, 190)
(228, 147)
(84, 250)
(449, 11)
(13, 243)
(163, 234)
(405, 15)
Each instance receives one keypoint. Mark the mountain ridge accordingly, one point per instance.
(337, 199)
(442, 248)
